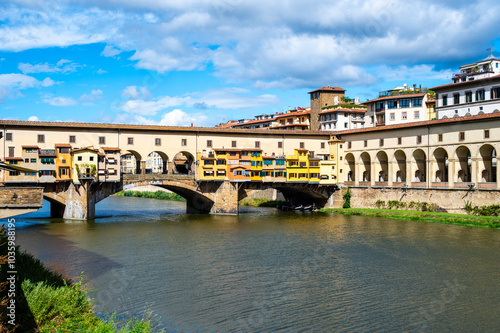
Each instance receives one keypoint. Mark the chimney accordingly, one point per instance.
(191, 124)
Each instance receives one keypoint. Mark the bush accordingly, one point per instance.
(347, 199)
(380, 204)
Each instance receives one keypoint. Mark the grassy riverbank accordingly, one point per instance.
(160, 195)
(447, 218)
(46, 302)
(260, 202)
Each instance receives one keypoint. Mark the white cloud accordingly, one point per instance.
(12, 84)
(175, 117)
(141, 103)
(59, 101)
(33, 118)
(87, 99)
(131, 92)
(62, 66)
(101, 71)
(339, 43)
(110, 51)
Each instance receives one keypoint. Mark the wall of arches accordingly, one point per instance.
(450, 166)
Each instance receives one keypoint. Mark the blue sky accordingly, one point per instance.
(207, 61)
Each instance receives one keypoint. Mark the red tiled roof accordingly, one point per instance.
(421, 123)
(256, 121)
(343, 110)
(288, 125)
(327, 88)
(32, 147)
(84, 148)
(13, 158)
(111, 148)
(269, 157)
(293, 113)
(466, 83)
(62, 145)
(395, 97)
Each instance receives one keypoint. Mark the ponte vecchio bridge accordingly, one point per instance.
(456, 155)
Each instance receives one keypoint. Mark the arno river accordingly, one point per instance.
(270, 271)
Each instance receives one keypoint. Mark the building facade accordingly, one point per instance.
(474, 91)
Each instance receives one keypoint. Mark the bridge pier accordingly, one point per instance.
(226, 199)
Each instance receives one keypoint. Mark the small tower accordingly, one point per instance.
(319, 99)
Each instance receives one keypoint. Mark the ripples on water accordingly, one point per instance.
(270, 271)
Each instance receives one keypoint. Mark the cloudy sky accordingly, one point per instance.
(174, 62)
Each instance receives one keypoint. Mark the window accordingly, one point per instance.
(345, 125)
(480, 95)
(102, 140)
(445, 100)
(416, 102)
(468, 97)
(184, 142)
(91, 158)
(392, 115)
(209, 143)
(280, 144)
(64, 150)
(322, 145)
(26, 160)
(157, 141)
(72, 139)
(11, 151)
(8, 137)
(233, 144)
(380, 105)
(392, 104)
(461, 136)
(486, 134)
(416, 115)
(257, 144)
(404, 103)
(495, 92)
(41, 138)
(456, 98)
(381, 143)
(302, 145)
(400, 141)
(419, 139)
(366, 143)
(440, 137)
(33, 160)
(404, 115)
(130, 141)
(79, 158)
(349, 145)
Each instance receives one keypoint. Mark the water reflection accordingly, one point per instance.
(277, 271)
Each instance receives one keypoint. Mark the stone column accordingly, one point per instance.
(451, 173)
(498, 175)
(372, 173)
(357, 175)
(143, 167)
(80, 201)
(226, 199)
(390, 175)
(409, 173)
(473, 170)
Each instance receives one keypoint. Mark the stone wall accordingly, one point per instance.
(452, 201)
(21, 197)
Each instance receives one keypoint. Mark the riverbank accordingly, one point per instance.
(159, 195)
(256, 202)
(447, 218)
(47, 302)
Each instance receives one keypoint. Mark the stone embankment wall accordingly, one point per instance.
(452, 201)
(19, 200)
(269, 194)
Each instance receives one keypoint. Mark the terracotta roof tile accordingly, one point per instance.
(13, 158)
(395, 97)
(328, 88)
(111, 148)
(421, 124)
(62, 145)
(30, 146)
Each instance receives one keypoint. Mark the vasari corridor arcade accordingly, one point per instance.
(78, 164)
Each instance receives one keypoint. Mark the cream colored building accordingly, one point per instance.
(85, 164)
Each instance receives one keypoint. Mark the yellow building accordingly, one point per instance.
(212, 165)
(84, 164)
(297, 166)
(331, 170)
(63, 161)
(256, 162)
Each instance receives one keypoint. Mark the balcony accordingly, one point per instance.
(472, 73)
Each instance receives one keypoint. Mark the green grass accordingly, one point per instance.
(447, 218)
(46, 302)
(160, 195)
(260, 202)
